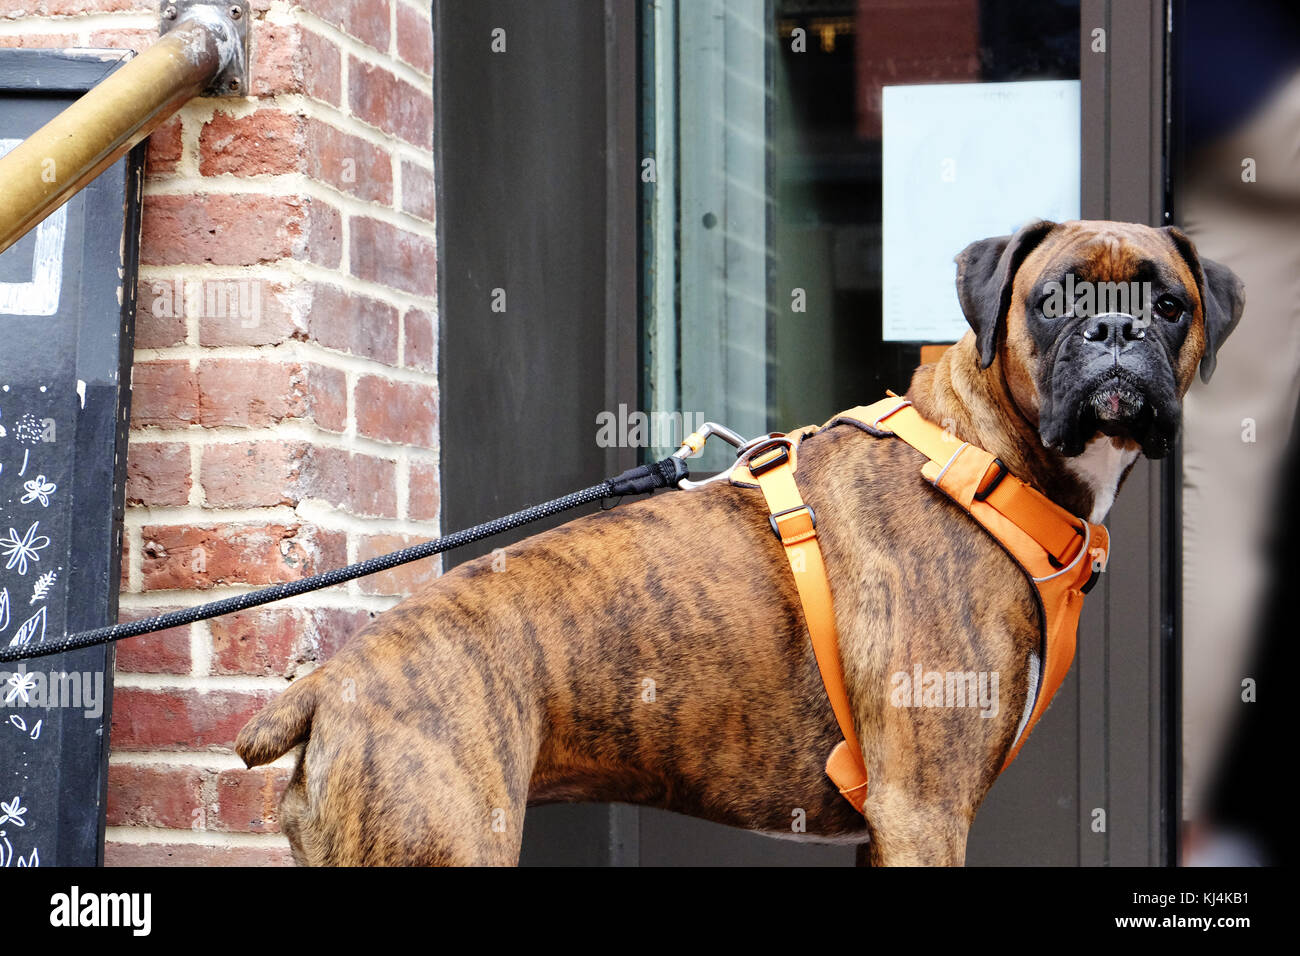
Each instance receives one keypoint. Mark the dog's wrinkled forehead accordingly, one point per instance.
(1098, 251)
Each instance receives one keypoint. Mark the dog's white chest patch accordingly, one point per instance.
(1100, 467)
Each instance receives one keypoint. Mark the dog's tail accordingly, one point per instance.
(280, 725)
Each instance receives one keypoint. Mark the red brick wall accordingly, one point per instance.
(284, 406)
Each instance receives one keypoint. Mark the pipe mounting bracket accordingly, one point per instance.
(232, 19)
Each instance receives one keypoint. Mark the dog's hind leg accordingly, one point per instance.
(382, 793)
(440, 781)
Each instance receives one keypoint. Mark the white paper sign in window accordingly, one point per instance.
(40, 295)
(960, 162)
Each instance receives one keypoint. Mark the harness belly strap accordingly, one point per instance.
(1060, 553)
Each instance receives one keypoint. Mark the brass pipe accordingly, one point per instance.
(50, 166)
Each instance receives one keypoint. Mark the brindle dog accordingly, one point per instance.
(429, 734)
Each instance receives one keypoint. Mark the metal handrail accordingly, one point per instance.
(63, 156)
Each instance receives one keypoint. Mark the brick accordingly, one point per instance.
(250, 392)
(247, 800)
(124, 566)
(289, 59)
(180, 718)
(239, 230)
(266, 641)
(264, 474)
(42, 41)
(423, 492)
(402, 580)
(354, 323)
(157, 796)
(157, 473)
(372, 486)
(418, 335)
(164, 393)
(242, 311)
(189, 557)
(252, 474)
(266, 142)
(400, 412)
(417, 190)
(390, 103)
(367, 20)
(136, 40)
(275, 56)
(415, 38)
(160, 313)
(324, 242)
(334, 627)
(63, 8)
(163, 652)
(348, 163)
(392, 257)
(327, 397)
(275, 641)
(193, 854)
(165, 148)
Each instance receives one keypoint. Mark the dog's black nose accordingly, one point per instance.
(1112, 328)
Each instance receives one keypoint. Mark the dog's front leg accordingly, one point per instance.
(915, 829)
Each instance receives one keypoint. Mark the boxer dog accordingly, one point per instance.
(656, 653)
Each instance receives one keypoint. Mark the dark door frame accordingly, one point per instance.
(1123, 708)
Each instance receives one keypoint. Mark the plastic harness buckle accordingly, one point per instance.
(986, 490)
(808, 532)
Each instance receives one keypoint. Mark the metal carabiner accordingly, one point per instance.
(695, 442)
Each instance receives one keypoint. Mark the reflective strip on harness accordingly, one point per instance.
(1060, 553)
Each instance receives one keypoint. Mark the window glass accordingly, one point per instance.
(787, 136)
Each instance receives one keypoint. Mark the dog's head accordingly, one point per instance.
(1099, 326)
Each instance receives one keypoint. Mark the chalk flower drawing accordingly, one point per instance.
(21, 550)
(4, 608)
(22, 684)
(12, 812)
(39, 591)
(38, 489)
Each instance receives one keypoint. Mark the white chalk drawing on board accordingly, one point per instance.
(40, 590)
(4, 607)
(20, 684)
(11, 815)
(40, 296)
(21, 550)
(38, 489)
(33, 627)
(34, 732)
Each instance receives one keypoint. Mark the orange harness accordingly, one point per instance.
(1060, 553)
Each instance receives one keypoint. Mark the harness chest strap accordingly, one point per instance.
(1062, 555)
(795, 523)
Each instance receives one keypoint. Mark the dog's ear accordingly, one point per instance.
(986, 271)
(1223, 297)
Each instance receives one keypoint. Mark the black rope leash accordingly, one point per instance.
(634, 481)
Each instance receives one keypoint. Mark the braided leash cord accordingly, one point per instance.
(634, 481)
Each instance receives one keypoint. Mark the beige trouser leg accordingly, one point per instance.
(1236, 429)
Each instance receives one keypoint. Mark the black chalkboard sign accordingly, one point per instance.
(67, 306)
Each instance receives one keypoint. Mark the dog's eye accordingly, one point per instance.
(1169, 307)
(1050, 306)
